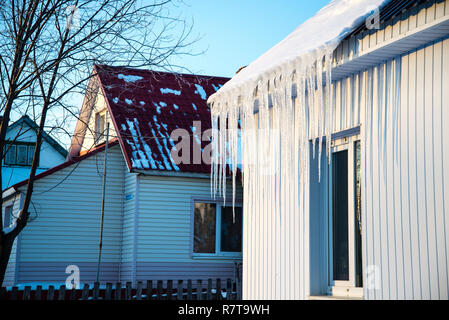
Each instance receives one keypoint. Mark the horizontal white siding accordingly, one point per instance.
(10, 275)
(165, 216)
(66, 209)
(128, 243)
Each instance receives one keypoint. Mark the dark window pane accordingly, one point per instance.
(10, 157)
(340, 215)
(30, 155)
(22, 154)
(231, 231)
(7, 218)
(358, 214)
(204, 228)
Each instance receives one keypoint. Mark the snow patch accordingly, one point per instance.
(200, 90)
(129, 78)
(172, 91)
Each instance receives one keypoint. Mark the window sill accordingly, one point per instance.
(215, 257)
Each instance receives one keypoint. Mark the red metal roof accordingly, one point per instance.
(147, 106)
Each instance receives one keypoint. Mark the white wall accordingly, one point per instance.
(406, 180)
(66, 208)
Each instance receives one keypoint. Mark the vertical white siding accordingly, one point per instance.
(401, 106)
(405, 178)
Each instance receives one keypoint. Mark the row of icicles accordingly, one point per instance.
(277, 109)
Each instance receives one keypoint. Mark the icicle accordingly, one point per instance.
(321, 108)
(329, 104)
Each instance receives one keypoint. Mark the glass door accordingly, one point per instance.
(345, 263)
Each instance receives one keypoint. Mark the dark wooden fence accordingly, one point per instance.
(151, 290)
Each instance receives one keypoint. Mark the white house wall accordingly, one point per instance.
(165, 230)
(405, 175)
(89, 137)
(406, 181)
(66, 207)
(11, 270)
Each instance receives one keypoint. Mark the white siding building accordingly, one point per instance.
(372, 220)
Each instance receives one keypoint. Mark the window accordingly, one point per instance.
(19, 153)
(217, 231)
(100, 119)
(345, 218)
(7, 218)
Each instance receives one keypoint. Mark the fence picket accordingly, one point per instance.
(51, 293)
(218, 289)
(118, 291)
(38, 295)
(96, 291)
(169, 289)
(180, 291)
(160, 284)
(85, 293)
(139, 291)
(61, 292)
(27, 293)
(209, 289)
(149, 289)
(199, 289)
(189, 289)
(14, 293)
(108, 293)
(228, 289)
(129, 287)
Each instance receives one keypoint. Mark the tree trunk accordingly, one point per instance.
(7, 241)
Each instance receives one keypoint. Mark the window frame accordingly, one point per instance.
(218, 253)
(100, 132)
(30, 146)
(7, 216)
(344, 287)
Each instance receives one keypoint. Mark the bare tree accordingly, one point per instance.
(47, 49)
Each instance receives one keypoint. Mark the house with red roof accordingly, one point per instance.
(160, 220)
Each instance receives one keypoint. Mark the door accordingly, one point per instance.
(345, 263)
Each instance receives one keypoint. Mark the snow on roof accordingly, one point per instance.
(146, 106)
(322, 32)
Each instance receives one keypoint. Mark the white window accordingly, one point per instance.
(100, 119)
(345, 234)
(217, 230)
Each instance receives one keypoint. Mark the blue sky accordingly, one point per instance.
(236, 32)
(233, 33)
